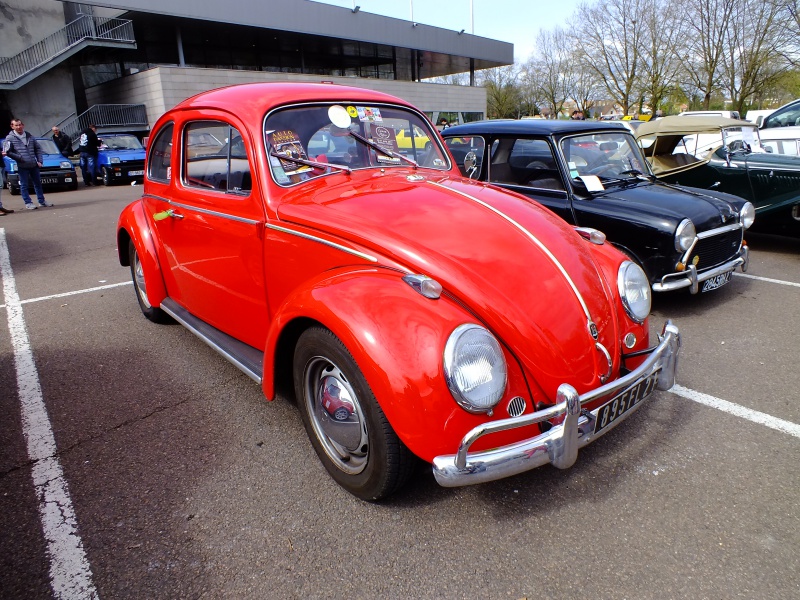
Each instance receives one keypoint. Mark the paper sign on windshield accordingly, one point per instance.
(592, 183)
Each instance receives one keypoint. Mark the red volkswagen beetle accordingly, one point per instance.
(416, 313)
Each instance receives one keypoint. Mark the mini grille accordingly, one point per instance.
(516, 406)
(717, 249)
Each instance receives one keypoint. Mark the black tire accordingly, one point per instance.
(363, 454)
(13, 190)
(140, 287)
(107, 179)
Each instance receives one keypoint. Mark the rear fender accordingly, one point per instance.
(133, 225)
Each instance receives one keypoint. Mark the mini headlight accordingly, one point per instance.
(634, 289)
(747, 215)
(684, 235)
(115, 160)
(474, 368)
(65, 164)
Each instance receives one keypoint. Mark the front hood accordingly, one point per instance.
(520, 269)
(707, 209)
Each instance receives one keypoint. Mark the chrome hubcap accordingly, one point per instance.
(336, 415)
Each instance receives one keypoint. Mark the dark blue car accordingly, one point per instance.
(56, 171)
(121, 158)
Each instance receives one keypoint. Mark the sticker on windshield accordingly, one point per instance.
(386, 139)
(351, 110)
(369, 114)
(287, 144)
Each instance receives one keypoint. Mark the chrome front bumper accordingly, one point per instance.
(560, 444)
(691, 279)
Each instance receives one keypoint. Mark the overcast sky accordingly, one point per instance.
(514, 21)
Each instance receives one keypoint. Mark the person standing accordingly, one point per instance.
(89, 146)
(63, 141)
(3, 211)
(23, 148)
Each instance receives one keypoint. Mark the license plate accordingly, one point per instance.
(616, 407)
(717, 281)
(49, 180)
(135, 173)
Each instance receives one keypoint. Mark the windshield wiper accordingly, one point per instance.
(309, 163)
(637, 174)
(383, 151)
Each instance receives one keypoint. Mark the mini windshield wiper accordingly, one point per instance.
(383, 151)
(310, 163)
(637, 174)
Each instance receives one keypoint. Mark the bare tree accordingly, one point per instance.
(754, 49)
(453, 79)
(660, 48)
(551, 68)
(502, 93)
(705, 23)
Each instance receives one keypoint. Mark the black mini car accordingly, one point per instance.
(594, 176)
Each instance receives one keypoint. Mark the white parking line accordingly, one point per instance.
(65, 294)
(767, 279)
(740, 411)
(70, 574)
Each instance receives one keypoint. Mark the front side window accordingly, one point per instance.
(160, 155)
(305, 142)
(215, 158)
(468, 154)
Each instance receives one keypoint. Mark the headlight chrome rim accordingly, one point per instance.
(685, 235)
(634, 291)
(747, 215)
(456, 368)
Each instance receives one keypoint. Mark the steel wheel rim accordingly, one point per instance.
(345, 443)
(138, 276)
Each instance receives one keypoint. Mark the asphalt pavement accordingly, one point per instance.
(170, 476)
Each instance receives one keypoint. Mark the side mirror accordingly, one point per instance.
(471, 165)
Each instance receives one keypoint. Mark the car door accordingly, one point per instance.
(528, 166)
(210, 223)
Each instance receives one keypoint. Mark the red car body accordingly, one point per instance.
(387, 259)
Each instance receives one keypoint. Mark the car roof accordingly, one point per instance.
(531, 127)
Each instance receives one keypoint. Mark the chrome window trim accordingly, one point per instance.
(322, 241)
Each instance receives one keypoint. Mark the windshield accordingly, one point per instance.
(315, 140)
(609, 156)
(48, 147)
(733, 138)
(120, 142)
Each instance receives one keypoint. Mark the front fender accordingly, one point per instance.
(133, 226)
(397, 338)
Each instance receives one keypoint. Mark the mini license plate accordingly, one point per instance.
(48, 180)
(135, 173)
(717, 281)
(616, 407)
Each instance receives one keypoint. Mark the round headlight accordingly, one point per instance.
(634, 289)
(474, 368)
(747, 215)
(684, 235)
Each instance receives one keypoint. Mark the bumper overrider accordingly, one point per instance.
(579, 427)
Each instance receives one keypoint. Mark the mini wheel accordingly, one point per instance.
(107, 179)
(361, 452)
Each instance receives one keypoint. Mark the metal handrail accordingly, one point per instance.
(103, 115)
(85, 27)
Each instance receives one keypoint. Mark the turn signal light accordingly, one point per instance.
(680, 267)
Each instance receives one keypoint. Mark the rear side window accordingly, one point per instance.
(525, 162)
(160, 155)
(215, 158)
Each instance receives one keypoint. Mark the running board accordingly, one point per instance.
(248, 359)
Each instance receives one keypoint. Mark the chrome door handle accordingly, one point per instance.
(164, 214)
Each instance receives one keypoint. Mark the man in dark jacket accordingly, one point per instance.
(23, 148)
(89, 146)
(63, 141)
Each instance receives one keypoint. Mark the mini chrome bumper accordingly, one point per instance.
(560, 444)
(691, 279)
